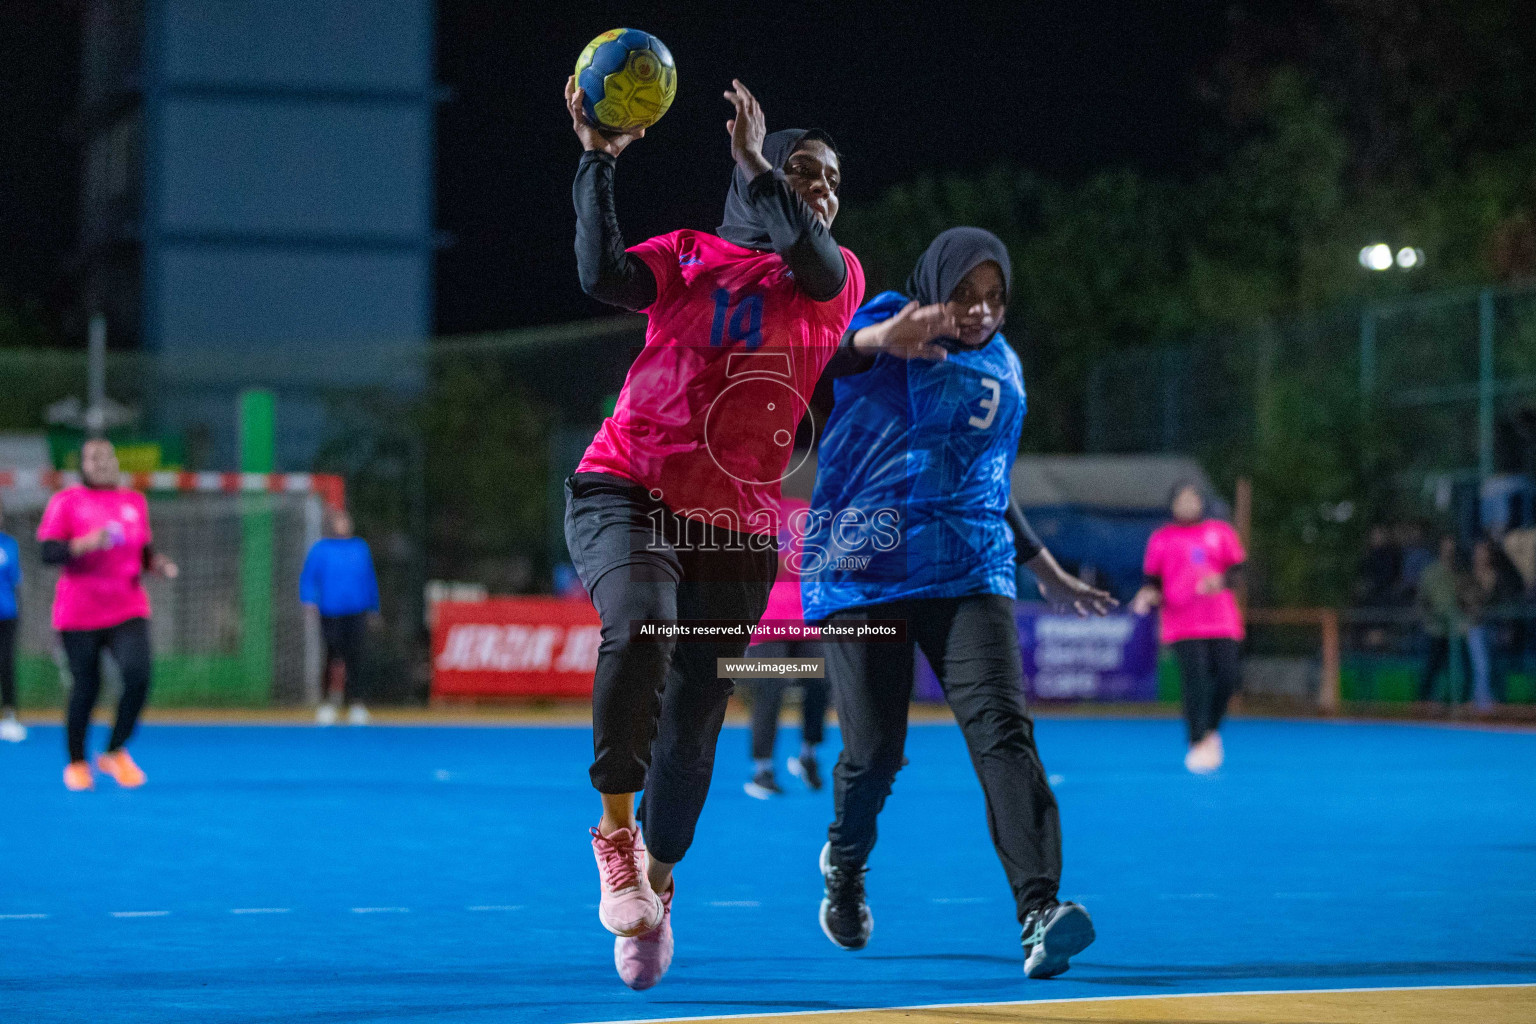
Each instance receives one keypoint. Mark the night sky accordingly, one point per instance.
(1061, 89)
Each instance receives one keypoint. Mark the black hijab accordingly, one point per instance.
(741, 226)
(950, 257)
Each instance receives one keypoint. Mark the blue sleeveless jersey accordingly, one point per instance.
(913, 478)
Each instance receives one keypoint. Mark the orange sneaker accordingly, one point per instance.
(120, 766)
(77, 776)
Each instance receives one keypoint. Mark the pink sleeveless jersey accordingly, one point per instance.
(732, 353)
(1184, 555)
(103, 588)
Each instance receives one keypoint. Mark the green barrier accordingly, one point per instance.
(178, 680)
(1170, 687)
(1379, 678)
(258, 454)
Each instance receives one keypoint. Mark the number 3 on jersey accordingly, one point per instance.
(745, 323)
(989, 403)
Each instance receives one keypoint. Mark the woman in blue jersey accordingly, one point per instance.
(913, 521)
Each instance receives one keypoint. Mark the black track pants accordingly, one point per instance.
(657, 705)
(128, 643)
(1208, 670)
(973, 645)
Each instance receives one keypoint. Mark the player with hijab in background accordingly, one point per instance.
(914, 521)
(1190, 567)
(671, 513)
(98, 533)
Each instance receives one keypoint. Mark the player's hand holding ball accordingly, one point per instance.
(625, 81)
(591, 136)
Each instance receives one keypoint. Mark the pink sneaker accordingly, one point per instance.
(628, 906)
(643, 960)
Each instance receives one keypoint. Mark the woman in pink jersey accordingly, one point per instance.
(671, 516)
(98, 533)
(1189, 566)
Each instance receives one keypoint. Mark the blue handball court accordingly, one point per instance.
(432, 874)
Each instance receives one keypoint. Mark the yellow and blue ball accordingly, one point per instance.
(629, 77)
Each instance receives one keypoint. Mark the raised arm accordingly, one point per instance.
(806, 245)
(797, 234)
(608, 273)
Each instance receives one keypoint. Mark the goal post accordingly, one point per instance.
(229, 630)
(1326, 622)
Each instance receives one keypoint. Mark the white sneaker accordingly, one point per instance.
(325, 714)
(12, 731)
(357, 715)
(1218, 752)
(1204, 757)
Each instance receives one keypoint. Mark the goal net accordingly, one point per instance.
(229, 630)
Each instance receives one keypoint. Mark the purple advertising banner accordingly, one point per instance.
(1108, 658)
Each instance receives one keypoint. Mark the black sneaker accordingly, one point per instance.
(764, 786)
(1053, 934)
(807, 771)
(845, 917)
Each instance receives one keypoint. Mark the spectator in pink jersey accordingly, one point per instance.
(1190, 565)
(785, 611)
(98, 533)
(671, 514)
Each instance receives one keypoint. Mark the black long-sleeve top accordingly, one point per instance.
(610, 274)
(56, 552)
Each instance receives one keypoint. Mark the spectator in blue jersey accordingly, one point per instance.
(911, 521)
(11, 730)
(338, 582)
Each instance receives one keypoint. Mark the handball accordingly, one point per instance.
(629, 80)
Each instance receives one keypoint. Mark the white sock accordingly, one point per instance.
(807, 752)
(762, 764)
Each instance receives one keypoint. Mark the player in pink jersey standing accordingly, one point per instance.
(1189, 567)
(671, 516)
(98, 533)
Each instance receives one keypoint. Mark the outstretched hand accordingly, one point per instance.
(592, 137)
(1063, 590)
(748, 130)
(914, 332)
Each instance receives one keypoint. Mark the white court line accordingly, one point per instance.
(261, 910)
(1076, 999)
(22, 917)
(514, 906)
(1186, 895)
(961, 899)
(734, 903)
(140, 913)
(381, 910)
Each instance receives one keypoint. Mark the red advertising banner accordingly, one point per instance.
(514, 647)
